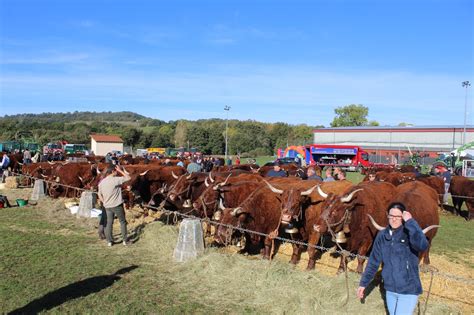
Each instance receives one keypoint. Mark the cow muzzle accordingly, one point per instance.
(286, 218)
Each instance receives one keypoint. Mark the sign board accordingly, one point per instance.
(316, 150)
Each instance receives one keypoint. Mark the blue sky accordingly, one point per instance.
(291, 61)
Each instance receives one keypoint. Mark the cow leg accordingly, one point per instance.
(268, 248)
(312, 241)
(426, 256)
(296, 256)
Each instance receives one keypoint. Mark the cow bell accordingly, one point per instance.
(187, 203)
(346, 228)
(290, 229)
(340, 237)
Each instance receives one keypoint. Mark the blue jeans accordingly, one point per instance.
(401, 304)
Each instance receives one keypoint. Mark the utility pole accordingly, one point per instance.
(465, 84)
(227, 109)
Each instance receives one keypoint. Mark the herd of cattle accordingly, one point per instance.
(242, 196)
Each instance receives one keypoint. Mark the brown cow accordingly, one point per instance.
(422, 202)
(295, 198)
(313, 213)
(260, 212)
(435, 182)
(348, 213)
(462, 190)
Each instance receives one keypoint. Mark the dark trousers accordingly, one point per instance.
(102, 223)
(111, 213)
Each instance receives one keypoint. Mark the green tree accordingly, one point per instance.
(352, 115)
(131, 136)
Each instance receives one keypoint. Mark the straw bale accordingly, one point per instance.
(11, 182)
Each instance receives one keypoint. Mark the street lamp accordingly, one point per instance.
(465, 84)
(227, 109)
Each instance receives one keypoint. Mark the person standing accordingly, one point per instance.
(277, 171)
(397, 247)
(110, 194)
(341, 175)
(329, 177)
(194, 167)
(27, 157)
(311, 174)
(445, 174)
(372, 177)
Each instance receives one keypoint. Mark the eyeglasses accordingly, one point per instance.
(394, 216)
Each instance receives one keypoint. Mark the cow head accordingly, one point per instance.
(230, 217)
(336, 213)
(207, 203)
(180, 187)
(292, 200)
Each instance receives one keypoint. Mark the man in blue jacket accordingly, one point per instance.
(397, 247)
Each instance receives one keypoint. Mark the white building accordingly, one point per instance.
(396, 144)
(428, 138)
(103, 144)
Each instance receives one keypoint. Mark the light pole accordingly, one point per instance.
(227, 109)
(465, 84)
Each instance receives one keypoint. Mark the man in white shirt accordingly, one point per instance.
(110, 194)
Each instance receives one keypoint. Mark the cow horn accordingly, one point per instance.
(350, 196)
(221, 204)
(20, 163)
(427, 229)
(378, 227)
(189, 176)
(309, 191)
(225, 182)
(80, 178)
(58, 179)
(210, 177)
(236, 211)
(44, 176)
(144, 173)
(206, 183)
(174, 175)
(251, 167)
(275, 190)
(49, 162)
(322, 193)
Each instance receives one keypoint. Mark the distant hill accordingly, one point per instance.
(249, 137)
(78, 116)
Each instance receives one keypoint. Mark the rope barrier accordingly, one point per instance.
(343, 252)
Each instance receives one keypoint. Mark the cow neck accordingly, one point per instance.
(344, 217)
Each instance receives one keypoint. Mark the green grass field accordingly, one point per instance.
(52, 262)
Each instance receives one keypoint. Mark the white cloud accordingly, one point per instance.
(291, 94)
